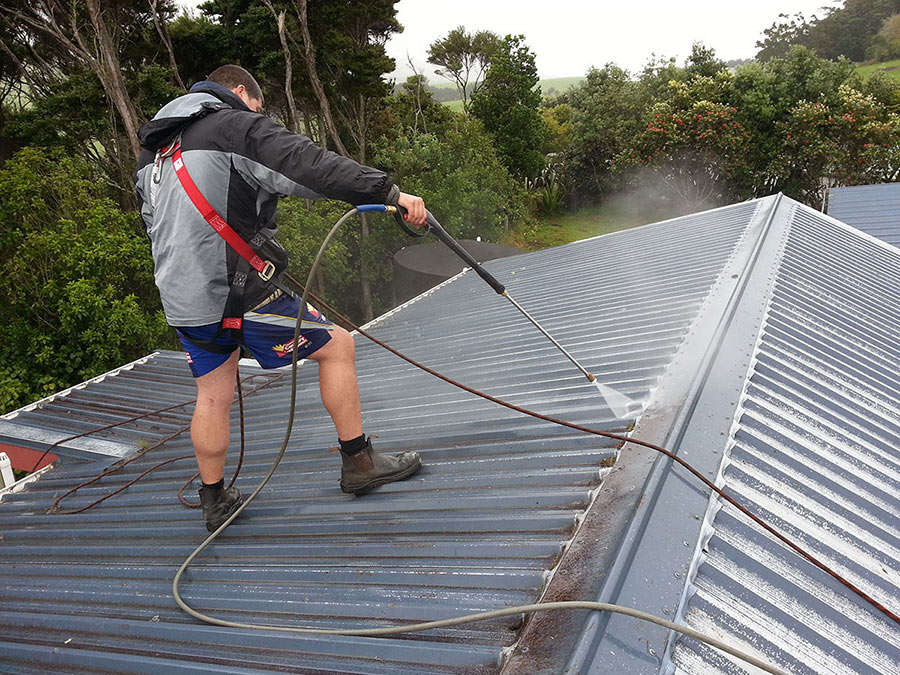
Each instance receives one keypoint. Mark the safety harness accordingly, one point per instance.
(233, 317)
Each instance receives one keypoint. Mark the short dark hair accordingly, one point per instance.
(231, 76)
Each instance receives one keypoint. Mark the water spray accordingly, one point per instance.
(621, 405)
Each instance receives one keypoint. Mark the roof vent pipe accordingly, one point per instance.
(7, 477)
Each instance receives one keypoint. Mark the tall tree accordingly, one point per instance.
(57, 42)
(508, 105)
(783, 34)
(91, 36)
(309, 58)
(608, 110)
(341, 88)
(463, 58)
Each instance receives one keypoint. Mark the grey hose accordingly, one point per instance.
(396, 630)
(287, 432)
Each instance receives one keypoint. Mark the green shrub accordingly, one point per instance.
(76, 279)
(458, 175)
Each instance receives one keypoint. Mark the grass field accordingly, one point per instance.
(552, 86)
(889, 68)
(612, 216)
(558, 84)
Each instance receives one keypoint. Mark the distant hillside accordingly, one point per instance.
(446, 92)
(557, 85)
(889, 68)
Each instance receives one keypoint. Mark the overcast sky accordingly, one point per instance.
(570, 36)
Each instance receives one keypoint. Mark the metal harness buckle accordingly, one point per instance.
(267, 271)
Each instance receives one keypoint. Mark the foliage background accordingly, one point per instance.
(76, 279)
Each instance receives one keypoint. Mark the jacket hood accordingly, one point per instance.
(204, 98)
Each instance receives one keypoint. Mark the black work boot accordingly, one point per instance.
(218, 505)
(367, 469)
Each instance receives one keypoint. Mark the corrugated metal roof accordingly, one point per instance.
(874, 209)
(479, 528)
(764, 339)
(814, 450)
(795, 408)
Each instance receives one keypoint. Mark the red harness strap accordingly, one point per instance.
(265, 268)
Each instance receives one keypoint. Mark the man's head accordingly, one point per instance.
(242, 83)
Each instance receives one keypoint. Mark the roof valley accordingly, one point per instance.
(596, 562)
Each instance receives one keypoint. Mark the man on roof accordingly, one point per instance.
(208, 181)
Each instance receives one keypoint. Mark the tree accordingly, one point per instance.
(703, 62)
(448, 159)
(886, 44)
(341, 88)
(765, 94)
(199, 45)
(460, 54)
(414, 107)
(847, 31)
(558, 119)
(783, 34)
(694, 148)
(795, 124)
(360, 91)
(92, 37)
(57, 44)
(458, 173)
(76, 278)
(608, 109)
(508, 105)
(851, 142)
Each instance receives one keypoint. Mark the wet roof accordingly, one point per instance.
(715, 321)
(874, 209)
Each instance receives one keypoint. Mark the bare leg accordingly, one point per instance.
(337, 383)
(340, 391)
(210, 428)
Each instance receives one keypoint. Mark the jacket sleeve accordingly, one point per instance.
(288, 164)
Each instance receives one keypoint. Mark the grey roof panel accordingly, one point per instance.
(813, 450)
(763, 338)
(874, 209)
(496, 504)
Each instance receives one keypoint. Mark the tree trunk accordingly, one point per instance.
(320, 130)
(320, 282)
(318, 89)
(293, 115)
(164, 36)
(367, 306)
(110, 74)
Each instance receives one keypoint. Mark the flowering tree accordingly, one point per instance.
(695, 151)
(853, 142)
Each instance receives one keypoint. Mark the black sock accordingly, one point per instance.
(218, 485)
(354, 446)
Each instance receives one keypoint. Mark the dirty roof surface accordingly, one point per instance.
(874, 209)
(815, 450)
(479, 528)
(795, 414)
(762, 339)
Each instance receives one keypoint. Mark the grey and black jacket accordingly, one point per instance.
(242, 162)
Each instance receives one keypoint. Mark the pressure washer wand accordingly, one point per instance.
(618, 403)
